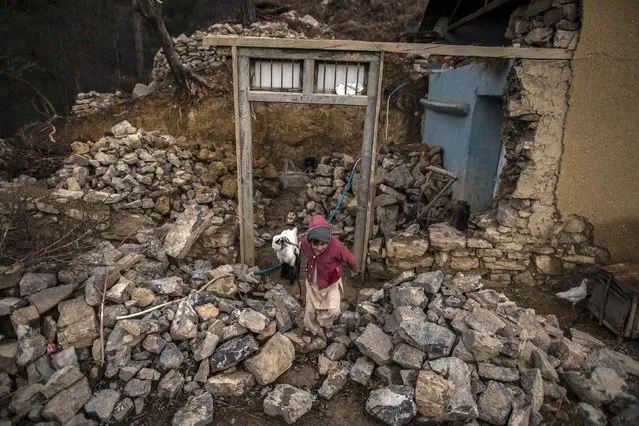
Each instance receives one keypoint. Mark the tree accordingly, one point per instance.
(139, 44)
(248, 12)
(151, 11)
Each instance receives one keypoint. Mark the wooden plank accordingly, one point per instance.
(244, 150)
(301, 98)
(366, 166)
(298, 55)
(370, 209)
(425, 49)
(308, 74)
(476, 14)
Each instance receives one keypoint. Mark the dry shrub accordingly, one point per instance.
(33, 238)
(34, 152)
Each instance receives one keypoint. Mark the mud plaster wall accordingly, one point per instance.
(599, 171)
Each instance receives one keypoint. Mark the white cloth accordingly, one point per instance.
(322, 306)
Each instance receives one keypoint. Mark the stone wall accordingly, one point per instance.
(92, 102)
(546, 23)
(195, 56)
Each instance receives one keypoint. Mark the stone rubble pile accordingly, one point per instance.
(149, 173)
(196, 56)
(91, 102)
(403, 182)
(433, 348)
(546, 23)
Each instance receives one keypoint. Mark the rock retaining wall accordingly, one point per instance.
(546, 23)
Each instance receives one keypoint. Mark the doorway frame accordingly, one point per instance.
(244, 96)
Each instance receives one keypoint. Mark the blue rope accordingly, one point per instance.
(266, 270)
(330, 219)
(346, 188)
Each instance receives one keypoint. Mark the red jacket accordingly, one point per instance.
(328, 263)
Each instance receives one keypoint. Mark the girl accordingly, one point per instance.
(324, 254)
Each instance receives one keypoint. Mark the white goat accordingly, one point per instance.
(287, 250)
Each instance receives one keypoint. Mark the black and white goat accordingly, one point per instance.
(287, 250)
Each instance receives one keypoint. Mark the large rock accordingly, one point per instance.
(205, 345)
(30, 348)
(198, 411)
(25, 398)
(407, 295)
(494, 403)
(590, 415)
(461, 406)
(171, 286)
(444, 237)
(102, 404)
(184, 325)
(233, 352)
(334, 382)
(34, 282)
(170, 358)
(433, 393)
(170, 384)
(484, 321)
(408, 356)
(231, 384)
(430, 281)
(77, 325)
(186, 230)
(10, 304)
(392, 405)
(288, 402)
(138, 388)
(482, 346)
(601, 388)
(406, 246)
(401, 314)
(497, 372)
(435, 340)
(362, 370)
(49, 298)
(253, 320)
(63, 407)
(533, 385)
(61, 380)
(275, 357)
(375, 344)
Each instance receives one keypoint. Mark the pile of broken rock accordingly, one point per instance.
(405, 184)
(430, 347)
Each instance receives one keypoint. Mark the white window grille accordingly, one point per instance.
(340, 78)
(276, 75)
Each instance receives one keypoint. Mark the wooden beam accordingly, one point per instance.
(298, 55)
(425, 49)
(476, 14)
(366, 167)
(244, 151)
(370, 208)
(302, 98)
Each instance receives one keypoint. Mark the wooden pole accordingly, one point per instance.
(370, 208)
(244, 150)
(366, 166)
